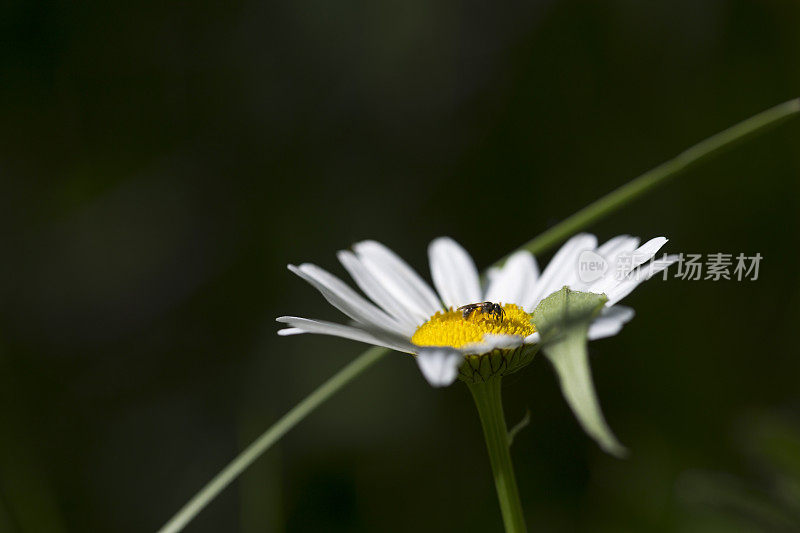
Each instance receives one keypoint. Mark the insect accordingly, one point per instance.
(488, 308)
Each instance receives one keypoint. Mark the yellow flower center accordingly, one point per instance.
(451, 328)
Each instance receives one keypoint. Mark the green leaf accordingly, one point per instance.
(562, 320)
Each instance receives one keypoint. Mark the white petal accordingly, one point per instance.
(491, 274)
(346, 299)
(625, 287)
(439, 365)
(321, 327)
(290, 331)
(372, 288)
(612, 251)
(632, 259)
(533, 338)
(563, 268)
(398, 279)
(454, 273)
(514, 281)
(610, 322)
(622, 259)
(607, 255)
(618, 244)
(646, 251)
(491, 342)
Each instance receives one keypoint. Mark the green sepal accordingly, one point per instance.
(563, 320)
(496, 364)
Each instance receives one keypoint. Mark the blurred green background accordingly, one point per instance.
(160, 163)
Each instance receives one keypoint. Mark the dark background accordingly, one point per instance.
(161, 163)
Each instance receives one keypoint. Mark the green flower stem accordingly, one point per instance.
(593, 212)
(490, 409)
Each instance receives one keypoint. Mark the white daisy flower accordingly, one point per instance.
(477, 341)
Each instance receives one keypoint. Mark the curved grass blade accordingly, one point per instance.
(646, 182)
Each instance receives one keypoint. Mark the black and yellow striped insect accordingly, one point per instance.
(487, 308)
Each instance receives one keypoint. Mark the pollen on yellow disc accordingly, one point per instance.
(450, 328)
